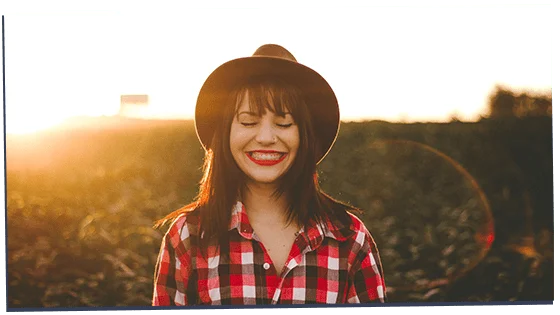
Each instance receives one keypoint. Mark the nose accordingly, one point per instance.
(266, 134)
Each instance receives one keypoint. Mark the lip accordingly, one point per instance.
(266, 162)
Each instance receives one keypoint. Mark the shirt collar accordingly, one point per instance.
(314, 232)
(240, 221)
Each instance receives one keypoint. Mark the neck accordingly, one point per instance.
(262, 205)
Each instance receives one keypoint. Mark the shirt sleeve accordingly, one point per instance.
(367, 284)
(172, 271)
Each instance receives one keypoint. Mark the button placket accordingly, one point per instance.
(276, 296)
(292, 263)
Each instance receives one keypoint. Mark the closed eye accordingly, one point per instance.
(284, 125)
(248, 124)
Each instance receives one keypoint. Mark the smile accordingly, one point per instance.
(266, 158)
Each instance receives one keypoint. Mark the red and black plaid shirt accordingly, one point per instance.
(327, 264)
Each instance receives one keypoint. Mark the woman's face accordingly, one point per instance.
(264, 147)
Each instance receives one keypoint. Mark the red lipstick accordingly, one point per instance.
(266, 162)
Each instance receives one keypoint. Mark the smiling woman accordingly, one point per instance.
(261, 230)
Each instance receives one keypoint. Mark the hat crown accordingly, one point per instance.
(273, 50)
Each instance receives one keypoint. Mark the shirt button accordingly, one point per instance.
(266, 266)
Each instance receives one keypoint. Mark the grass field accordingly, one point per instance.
(460, 211)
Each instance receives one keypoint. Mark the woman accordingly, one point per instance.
(261, 231)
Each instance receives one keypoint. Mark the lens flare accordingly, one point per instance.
(428, 215)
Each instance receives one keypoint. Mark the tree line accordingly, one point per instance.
(504, 102)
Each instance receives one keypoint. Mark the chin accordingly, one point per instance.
(265, 180)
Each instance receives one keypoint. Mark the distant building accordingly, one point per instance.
(136, 106)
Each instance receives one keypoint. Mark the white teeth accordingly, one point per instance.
(266, 156)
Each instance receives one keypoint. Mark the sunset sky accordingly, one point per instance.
(389, 62)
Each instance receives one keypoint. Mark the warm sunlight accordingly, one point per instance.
(379, 67)
(32, 123)
(437, 189)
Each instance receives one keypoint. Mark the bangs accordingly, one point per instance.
(272, 94)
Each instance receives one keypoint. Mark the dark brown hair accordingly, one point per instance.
(223, 180)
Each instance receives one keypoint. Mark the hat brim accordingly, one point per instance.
(319, 96)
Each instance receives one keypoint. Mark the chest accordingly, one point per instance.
(276, 243)
(249, 277)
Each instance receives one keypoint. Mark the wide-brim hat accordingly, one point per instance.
(269, 60)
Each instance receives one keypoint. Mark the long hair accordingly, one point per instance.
(223, 181)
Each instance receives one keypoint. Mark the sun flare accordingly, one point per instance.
(31, 124)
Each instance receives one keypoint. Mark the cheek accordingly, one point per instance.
(237, 140)
(233, 143)
(295, 141)
(233, 137)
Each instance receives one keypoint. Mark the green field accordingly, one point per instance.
(460, 211)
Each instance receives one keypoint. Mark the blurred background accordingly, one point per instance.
(445, 141)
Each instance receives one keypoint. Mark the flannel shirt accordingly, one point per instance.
(328, 263)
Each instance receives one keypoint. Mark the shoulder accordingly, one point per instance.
(361, 234)
(346, 226)
(356, 224)
(186, 225)
(364, 250)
